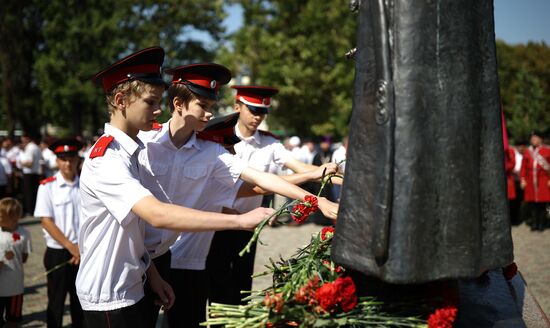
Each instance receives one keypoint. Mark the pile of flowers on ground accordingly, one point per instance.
(309, 290)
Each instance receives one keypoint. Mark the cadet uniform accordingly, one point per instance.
(110, 278)
(228, 272)
(200, 175)
(59, 200)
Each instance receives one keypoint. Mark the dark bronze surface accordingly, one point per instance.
(424, 195)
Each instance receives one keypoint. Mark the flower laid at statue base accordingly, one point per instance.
(299, 211)
(310, 290)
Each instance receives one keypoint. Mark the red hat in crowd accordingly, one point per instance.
(144, 65)
(66, 147)
(203, 79)
(221, 130)
(256, 98)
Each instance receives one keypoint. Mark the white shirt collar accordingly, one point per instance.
(130, 145)
(165, 139)
(61, 180)
(253, 138)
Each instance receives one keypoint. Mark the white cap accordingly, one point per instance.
(294, 141)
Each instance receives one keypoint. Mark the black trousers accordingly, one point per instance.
(162, 263)
(61, 282)
(127, 317)
(30, 187)
(229, 273)
(191, 289)
(538, 214)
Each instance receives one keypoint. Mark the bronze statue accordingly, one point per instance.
(424, 195)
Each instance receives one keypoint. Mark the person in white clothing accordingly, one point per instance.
(181, 169)
(48, 161)
(114, 262)
(5, 177)
(15, 246)
(29, 160)
(339, 157)
(58, 206)
(229, 273)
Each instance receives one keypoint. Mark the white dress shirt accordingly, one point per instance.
(59, 200)
(200, 175)
(31, 153)
(113, 256)
(260, 151)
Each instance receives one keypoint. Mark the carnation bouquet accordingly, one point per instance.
(310, 290)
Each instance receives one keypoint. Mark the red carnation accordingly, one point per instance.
(274, 302)
(340, 292)
(15, 236)
(346, 290)
(442, 318)
(327, 232)
(300, 212)
(510, 271)
(327, 296)
(311, 201)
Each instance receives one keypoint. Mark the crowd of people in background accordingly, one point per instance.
(26, 160)
(528, 173)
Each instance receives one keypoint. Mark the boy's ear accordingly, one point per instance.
(237, 107)
(120, 100)
(178, 104)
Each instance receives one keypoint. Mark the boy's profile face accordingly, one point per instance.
(198, 112)
(141, 111)
(249, 119)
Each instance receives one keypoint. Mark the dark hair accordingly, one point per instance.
(181, 91)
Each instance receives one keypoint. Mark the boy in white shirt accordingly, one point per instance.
(229, 273)
(114, 262)
(58, 206)
(199, 174)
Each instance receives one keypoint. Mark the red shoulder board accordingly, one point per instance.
(47, 180)
(157, 126)
(101, 146)
(267, 133)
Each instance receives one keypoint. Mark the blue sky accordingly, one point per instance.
(516, 21)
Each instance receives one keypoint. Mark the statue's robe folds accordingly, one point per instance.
(424, 195)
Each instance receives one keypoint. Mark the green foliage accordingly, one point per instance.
(524, 74)
(75, 39)
(299, 47)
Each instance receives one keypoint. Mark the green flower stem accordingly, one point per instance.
(57, 267)
(281, 210)
(260, 226)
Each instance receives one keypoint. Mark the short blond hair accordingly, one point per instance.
(10, 207)
(131, 90)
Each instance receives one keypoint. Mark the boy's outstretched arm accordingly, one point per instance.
(174, 217)
(277, 185)
(248, 190)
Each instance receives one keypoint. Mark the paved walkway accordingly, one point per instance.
(532, 252)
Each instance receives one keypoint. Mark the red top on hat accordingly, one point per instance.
(221, 130)
(202, 78)
(143, 65)
(255, 95)
(66, 146)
